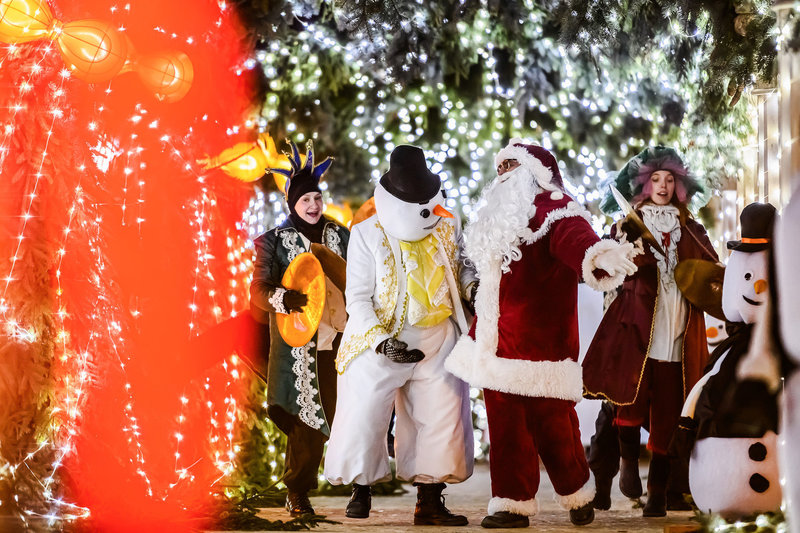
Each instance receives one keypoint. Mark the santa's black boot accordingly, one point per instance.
(360, 502)
(582, 515)
(657, 487)
(629, 482)
(430, 510)
(602, 493)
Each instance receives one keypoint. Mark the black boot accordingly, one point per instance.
(582, 515)
(298, 504)
(360, 502)
(505, 520)
(678, 485)
(629, 482)
(657, 486)
(602, 494)
(430, 510)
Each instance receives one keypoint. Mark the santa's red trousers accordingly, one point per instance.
(522, 429)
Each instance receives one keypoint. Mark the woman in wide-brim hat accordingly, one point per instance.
(650, 348)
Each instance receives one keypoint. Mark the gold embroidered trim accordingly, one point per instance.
(356, 344)
(598, 395)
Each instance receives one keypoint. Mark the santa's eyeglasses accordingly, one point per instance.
(507, 165)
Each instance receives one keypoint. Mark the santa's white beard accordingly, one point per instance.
(501, 223)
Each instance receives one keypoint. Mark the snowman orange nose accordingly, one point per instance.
(760, 286)
(442, 212)
(711, 333)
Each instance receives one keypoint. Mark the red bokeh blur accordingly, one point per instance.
(137, 325)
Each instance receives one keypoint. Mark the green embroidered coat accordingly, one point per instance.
(297, 389)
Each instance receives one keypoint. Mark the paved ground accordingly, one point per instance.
(395, 513)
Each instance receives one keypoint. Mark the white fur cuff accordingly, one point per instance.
(525, 508)
(614, 279)
(539, 379)
(580, 497)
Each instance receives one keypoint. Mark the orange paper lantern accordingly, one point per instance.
(340, 213)
(168, 75)
(305, 275)
(92, 49)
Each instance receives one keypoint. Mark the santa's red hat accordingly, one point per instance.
(539, 162)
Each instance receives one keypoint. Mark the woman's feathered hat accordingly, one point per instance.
(302, 177)
(635, 175)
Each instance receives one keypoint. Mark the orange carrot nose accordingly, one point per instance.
(760, 286)
(442, 212)
(712, 332)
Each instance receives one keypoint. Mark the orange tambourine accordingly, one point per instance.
(305, 275)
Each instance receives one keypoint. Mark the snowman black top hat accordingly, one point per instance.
(757, 222)
(408, 177)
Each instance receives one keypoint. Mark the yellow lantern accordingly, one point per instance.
(24, 20)
(340, 213)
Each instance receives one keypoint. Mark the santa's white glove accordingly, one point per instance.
(613, 258)
(617, 260)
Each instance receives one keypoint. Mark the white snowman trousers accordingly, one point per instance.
(433, 430)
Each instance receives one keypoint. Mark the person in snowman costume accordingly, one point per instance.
(405, 284)
(531, 244)
(729, 473)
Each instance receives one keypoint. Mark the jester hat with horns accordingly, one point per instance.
(302, 178)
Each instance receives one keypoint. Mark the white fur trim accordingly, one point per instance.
(524, 508)
(540, 379)
(572, 209)
(542, 174)
(580, 497)
(587, 267)
(556, 195)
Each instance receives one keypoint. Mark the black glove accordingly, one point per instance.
(398, 351)
(294, 301)
(632, 232)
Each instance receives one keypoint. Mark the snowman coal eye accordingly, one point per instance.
(748, 276)
(425, 213)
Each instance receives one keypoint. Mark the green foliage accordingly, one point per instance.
(760, 523)
(460, 78)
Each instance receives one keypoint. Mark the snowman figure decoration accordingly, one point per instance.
(731, 474)
(405, 284)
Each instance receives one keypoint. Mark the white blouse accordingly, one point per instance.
(671, 309)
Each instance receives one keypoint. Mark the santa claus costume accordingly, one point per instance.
(531, 244)
(405, 284)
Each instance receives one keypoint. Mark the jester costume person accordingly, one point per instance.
(405, 285)
(301, 388)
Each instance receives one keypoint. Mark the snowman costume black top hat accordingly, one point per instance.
(408, 177)
(757, 223)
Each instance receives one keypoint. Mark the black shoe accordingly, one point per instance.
(360, 502)
(504, 519)
(630, 484)
(602, 495)
(656, 506)
(582, 515)
(676, 502)
(430, 510)
(298, 504)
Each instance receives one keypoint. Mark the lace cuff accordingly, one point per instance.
(276, 300)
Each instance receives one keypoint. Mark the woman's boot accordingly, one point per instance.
(629, 444)
(657, 486)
